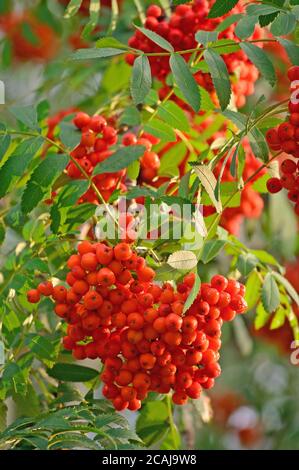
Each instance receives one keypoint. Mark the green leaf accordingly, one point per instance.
(72, 8)
(173, 115)
(261, 60)
(246, 26)
(185, 81)
(17, 163)
(159, 40)
(291, 49)
(206, 101)
(270, 294)
(69, 135)
(220, 77)
(152, 422)
(261, 318)
(41, 180)
(258, 144)
(25, 114)
(221, 7)
(133, 170)
(193, 293)
(122, 158)
(130, 116)
(94, 14)
(225, 46)
(95, 53)
(171, 159)
(110, 41)
(3, 416)
(161, 130)
(260, 10)
(265, 257)
(43, 347)
(279, 318)
(5, 141)
(246, 263)
(71, 192)
(204, 37)
(236, 117)
(141, 79)
(228, 21)
(288, 287)
(27, 405)
(211, 249)
(283, 24)
(2, 355)
(253, 288)
(72, 372)
(2, 232)
(209, 182)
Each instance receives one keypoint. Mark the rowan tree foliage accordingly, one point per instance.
(185, 115)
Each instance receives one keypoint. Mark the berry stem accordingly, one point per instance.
(170, 418)
(76, 163)
(196, 49)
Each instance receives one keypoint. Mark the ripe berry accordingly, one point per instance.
(45, 288)
(82, 120)
(154, 10)
(89, 261)
(288, 166)
(146, 274)
(80, 287)
(179, 398)
(293, 73)
(147, 361)
(104, 254)
(219, 282)
(33, 296)
(59, 293)
(274, 185)
(92, 300)
(106, 277)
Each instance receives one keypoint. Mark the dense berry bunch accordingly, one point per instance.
(44, 43)
(180, 31)
(97, 142)
(285, 138)
(139, 329)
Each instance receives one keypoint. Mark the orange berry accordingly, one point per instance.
(33, 296)
(146, 274)
(45, 288)
(59, 293)
(80, 287)
(89, 261)
(122, 252)
(92, 300)
(106, 277)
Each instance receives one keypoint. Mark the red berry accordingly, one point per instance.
(33, 296)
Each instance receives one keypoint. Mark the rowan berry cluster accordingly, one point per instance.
(139, 329)
(285, 138)
(14, 25)
(180, 31)
(96, 145)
